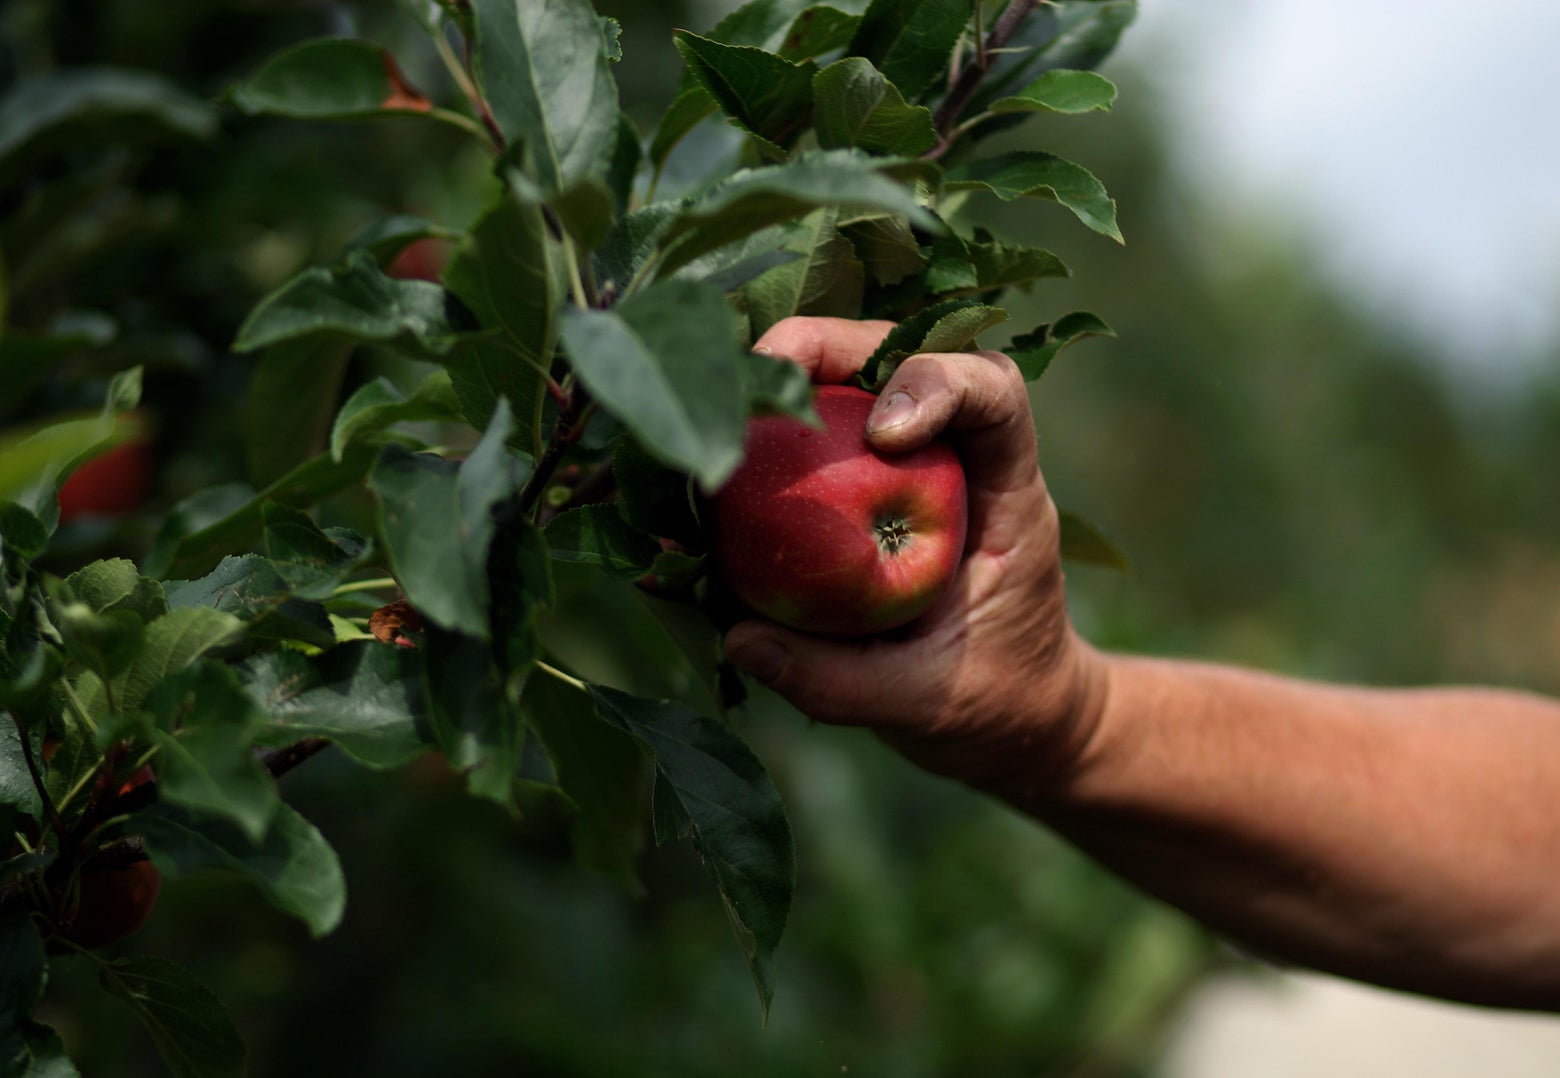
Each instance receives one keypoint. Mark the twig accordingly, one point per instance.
(280, 761)
(946, 117)
(55, 819)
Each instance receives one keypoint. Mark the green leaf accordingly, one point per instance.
(1060, 35)
(510, 275)
(1083, 542)
(364, 696)
(105, 643)
(1061, 91)
(330, 79)
(664, 362)
(708, 777)
(311, 562)
(294, 867)
(292, 396)
(28, 1049)
(173, 642)
(1030, 173)
(206, 723)
(544, 69)
(653, 498)
(376, 406)
(115, 584)
(601, 768)
(887, 248)
(828, 278)
(17, 789)
(81, 106)
(437, 520)
(220, 519)
(598, 535)
(472, 717)
(778, 387)
(1034, 351)
(191, 1027)
(730, 267)
(755, 199)
(352, 299)
(856, 106)
(817, 30)
(911, 41)
(768, 96)
(250, 588)
(960, 267)
(950, 326)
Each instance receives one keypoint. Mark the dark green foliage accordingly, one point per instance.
(460, 522)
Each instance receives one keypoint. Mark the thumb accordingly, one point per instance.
(833, 681)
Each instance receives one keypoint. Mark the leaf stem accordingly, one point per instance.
(465, 123)
(78, 709)
(55, 819)
(576, 282)
(567, 679)
(468, 88)
(378, 584)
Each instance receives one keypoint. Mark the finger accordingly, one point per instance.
(831, 349)
(980, 397)
(845, 682)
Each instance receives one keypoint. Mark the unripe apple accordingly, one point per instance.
(114, 903)
(819, 531)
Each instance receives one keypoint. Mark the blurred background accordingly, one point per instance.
(1324, 438)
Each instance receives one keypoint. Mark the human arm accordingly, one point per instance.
(1406, 837)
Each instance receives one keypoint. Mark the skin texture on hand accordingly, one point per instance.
(943, 690)
(1407, 837)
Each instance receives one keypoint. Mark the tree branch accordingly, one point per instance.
(946, 118)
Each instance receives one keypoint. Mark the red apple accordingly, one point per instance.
(420, 260)
(115, 902)
(111, 484)
(819, 531)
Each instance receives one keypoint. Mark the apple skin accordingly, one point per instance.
(111, 484)
(115, 903)
(818, 531)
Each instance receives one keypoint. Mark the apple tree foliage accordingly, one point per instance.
(591, 333)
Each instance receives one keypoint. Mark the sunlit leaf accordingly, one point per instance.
(1033, 174)
(1061, 91)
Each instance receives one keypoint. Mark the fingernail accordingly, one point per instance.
(890, 412)
(764, 659)
(762, 350)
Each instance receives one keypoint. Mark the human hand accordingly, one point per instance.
(991, 685)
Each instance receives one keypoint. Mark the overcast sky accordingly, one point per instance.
(1417, 142)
